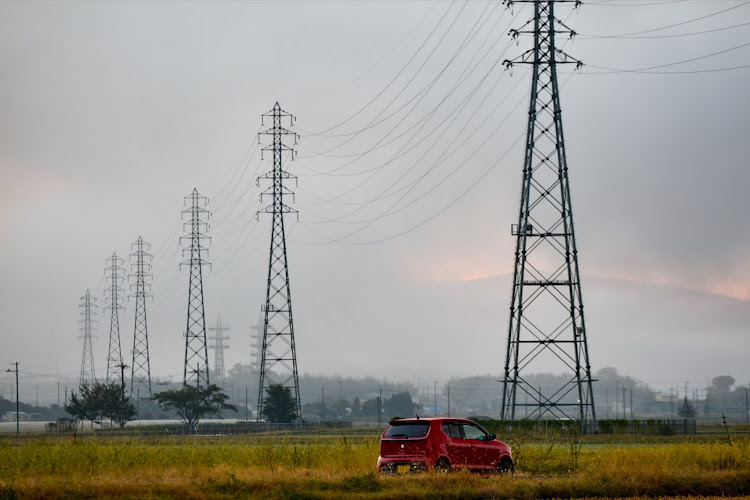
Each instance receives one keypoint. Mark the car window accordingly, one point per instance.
(452, 429)
(407, 430)
(473, 432)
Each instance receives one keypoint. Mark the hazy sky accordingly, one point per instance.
(409, 173)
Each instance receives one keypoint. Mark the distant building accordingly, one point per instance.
(22, 416)
(661, 397)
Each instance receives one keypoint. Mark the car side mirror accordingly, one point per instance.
(492, 437)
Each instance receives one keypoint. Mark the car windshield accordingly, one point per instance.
(407, 430)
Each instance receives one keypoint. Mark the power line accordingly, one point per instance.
(676, 63)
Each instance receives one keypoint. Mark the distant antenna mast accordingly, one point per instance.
(195, 370)
(88, 376)
(115, 273)
(140, 371)
(279, 357)
(218, 345)
(547, 331)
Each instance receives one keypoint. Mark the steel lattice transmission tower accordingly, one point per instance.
(115, 273)
(88, 375)
(218, 345)
(547, 331)
(256, 344)
(196, 347)
(140, 371)
(279, 355)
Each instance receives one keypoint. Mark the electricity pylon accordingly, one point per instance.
(195, 370)
(256, 344)
(115, 273)
(546, 331)
(140, 368)
(279, 355)
(88, 375)
(218, 345)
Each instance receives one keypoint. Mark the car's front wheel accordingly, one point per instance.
(505, 466)
(442, 466)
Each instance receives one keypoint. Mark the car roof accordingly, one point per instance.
(433, 419)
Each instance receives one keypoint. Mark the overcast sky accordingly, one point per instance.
(409, 165)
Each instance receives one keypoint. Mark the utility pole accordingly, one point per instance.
(58, 394)
(632, 412)
(18, 425)
(196, 347)
(547, 329)
(322, 403)
(341, 391)
(87, 307)
(246, 405)
(218, 345)
(196, 376)
(434, 394)
(380, 402)
(671, 403)
(624, 414)
(115, 274)
(140, 371)
(279, 356)
(448, 388)
(122, 380)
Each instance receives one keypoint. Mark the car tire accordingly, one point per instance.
(505, 466)
(442, 466)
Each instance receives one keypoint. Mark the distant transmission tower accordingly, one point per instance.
(140, 371)
(88, 376)
(279, 355)
(256, 344)
(546, 332)
(115, 273)
(196, 347)
(218, 345)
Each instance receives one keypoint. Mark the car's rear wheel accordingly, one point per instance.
(505, 466)
(442, 466)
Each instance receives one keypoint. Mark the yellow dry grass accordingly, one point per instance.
(302, 467)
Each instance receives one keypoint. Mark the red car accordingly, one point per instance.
(441, 444)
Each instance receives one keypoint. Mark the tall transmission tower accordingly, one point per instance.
(88, 375)
(547, 331)
(279, 355)
(115, 273)
(140, 371)
(196, 348)
(218, 345)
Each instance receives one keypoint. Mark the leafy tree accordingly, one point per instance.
(400, 405)
(686, 409)
(193, 403)
(82, 406)
(279, 404)
(117, 407)
(721, 384)
(356, 406)
(369, 408)
(101, 400)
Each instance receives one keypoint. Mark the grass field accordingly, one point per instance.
(341, 465)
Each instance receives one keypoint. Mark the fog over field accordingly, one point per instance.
(409, 167)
